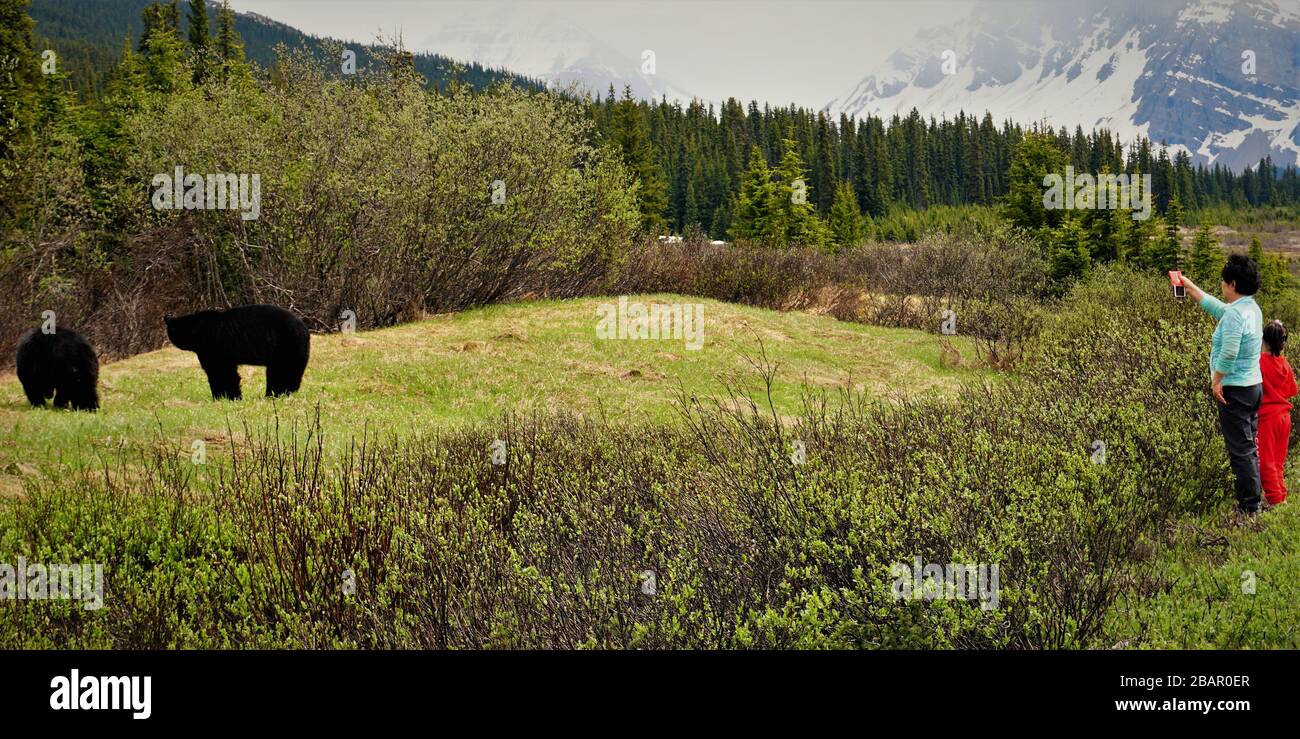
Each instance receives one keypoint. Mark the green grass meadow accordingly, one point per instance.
(1225, 587)
(473, 367)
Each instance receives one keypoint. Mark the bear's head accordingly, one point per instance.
(187, 332)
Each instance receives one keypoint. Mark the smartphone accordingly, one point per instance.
(1176, 280)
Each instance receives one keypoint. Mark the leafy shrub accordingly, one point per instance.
(376, 197)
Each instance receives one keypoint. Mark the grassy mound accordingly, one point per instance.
(474, 366)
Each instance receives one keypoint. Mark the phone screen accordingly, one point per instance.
(1180, 291)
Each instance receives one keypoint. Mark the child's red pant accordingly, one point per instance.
(1274, 432)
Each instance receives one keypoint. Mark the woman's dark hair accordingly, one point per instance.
(1242, 271)
(1275, 337)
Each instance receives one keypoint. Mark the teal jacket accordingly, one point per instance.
(1237, 339)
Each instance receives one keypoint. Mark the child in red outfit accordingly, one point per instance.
(1274, 413)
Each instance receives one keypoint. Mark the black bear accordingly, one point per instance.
(60, 364)
(261, 335)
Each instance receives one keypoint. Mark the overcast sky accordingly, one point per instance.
(801, 51)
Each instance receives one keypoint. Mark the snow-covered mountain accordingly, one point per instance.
(526, 39)
(1219, 78)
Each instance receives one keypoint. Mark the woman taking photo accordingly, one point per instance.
(1235, 379)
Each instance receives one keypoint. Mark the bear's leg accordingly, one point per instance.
(223, 379)
(62, 397)
(37, 393)
(84, 398)
(283, 380)
(274, 381)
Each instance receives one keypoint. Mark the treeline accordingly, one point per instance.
(88, 37)
(1075, 240)
(692, 161)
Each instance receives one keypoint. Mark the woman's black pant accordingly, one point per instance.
(1239, 420)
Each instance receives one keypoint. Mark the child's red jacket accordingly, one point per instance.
(1279, 384)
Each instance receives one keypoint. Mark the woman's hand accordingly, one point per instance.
(1195, 292)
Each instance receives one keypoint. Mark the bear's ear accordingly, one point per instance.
(167, 318)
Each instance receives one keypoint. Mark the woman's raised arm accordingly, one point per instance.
(1192, 290)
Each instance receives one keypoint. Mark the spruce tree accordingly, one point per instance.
(752, 213)
(794, 218)
(1274, 270)
(162, 53)
(823, 182)
(845, 219)
(19, 73)
(198, 36)
(1070, 259)
(158, 19)
(1256, 250)
(632, 137)
(1036, 156)
(1167, 250)
(1206, 259)
(230, 47)
(1105, 228)
(1136, 241)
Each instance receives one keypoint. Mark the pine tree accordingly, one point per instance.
(721, 225)
(162, 53)
(1206, 259)
(823, 182)
(1105, 227)
(1070, 259)
(230, 47)
(157, 19)
(916, 158)
(1274, 271)
(632, 137)
(752, 214)
(1167, 250)
(845, 219)
(691, 211)
(1036, 156)
(794, 219)
(1277, 273)
(18, 78)
(199, 41)
(1137, 241)
(1256, 250)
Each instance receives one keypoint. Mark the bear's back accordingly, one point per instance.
(40, 352)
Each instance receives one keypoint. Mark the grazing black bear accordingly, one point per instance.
(63, 365)
(262, 335)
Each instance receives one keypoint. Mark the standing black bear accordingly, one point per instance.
(62, 364)
(262, 335)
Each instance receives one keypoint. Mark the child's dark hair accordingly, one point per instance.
(1275, 337)
(1242, 271)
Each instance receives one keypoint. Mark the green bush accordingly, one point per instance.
(376, 197)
